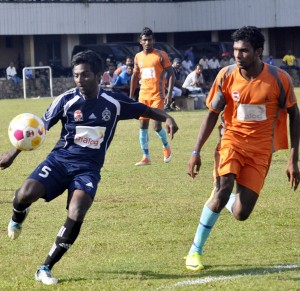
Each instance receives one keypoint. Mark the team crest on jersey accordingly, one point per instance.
(106, 115)
(236, 96)
(78, 116)
(140, 64)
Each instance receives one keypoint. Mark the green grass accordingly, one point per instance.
(144, 219)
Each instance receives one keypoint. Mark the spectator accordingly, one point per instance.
(270, 61)
(189, 53)
(195, 81)
(231, 60)
(29, 76)
(123, 68)
(43, 76)
(180, 76)
(109, 77)
(122, 83)
(11, 74)
(187, 64)
(214, 66)
(205, 71)
(224, 62)
(290, 61)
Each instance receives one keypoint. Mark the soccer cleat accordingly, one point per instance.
(144, 162)
(193, 262)
(14, 229)
(43, 274)
(167, 155)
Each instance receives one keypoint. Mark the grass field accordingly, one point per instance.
(144, 219)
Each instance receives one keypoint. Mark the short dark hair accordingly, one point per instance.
(88, 57)
(250, 34)
(146, 31)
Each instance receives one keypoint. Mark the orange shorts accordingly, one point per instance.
(158, 103)
(250, 168)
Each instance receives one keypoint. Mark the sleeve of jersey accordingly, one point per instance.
(167, 63)
(53, 113)
(288, 87)
(130, 109)
(215, 100)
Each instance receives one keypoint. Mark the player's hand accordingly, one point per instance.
(168, 100)
(171, 127)
(194, 165)
(292, 172)
(7, 158)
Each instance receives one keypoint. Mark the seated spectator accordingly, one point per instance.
(195, 82)
(289, 61)
(196, 85)
(270, 61)
(122, 82)
(187, 64)
(43, 76)
(214, 66)
(224, 62)
(109, 77)
(180, 75)
(11, 74)
(30, 78)
(231, 60)
(206, 73)
(123, 68)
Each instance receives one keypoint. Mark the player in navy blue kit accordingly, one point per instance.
(89, 116)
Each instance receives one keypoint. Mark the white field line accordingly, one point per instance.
(204, 280)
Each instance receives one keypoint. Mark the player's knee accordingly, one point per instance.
(241, 215)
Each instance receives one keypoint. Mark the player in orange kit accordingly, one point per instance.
(152, 66)
(255, 98)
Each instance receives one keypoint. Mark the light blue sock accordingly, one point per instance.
(207, 221)
(230, 202)
(163, 137)
(144, 138)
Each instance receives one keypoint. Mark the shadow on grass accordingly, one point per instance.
(231, 272)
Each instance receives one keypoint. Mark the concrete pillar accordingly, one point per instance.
(214, 36)
(170, 38)
(67, 44)
(29, 58)
(266, 51)
(101, 38)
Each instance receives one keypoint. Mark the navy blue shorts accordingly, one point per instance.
(59, 176)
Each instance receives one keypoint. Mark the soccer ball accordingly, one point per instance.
(26, 132)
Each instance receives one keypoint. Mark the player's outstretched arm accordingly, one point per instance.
(206, 128)
(160, 115)
(7, 158)
(292, 169)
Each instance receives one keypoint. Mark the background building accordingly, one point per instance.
(41, 30)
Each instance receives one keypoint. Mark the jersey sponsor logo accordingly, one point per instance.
(236, 96)
(148, 73)
(106, 115)
(88, 136)
(78, 116)
(251, 112)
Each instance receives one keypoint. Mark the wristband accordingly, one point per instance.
(196, 153)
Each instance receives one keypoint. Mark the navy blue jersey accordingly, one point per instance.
(88, 125)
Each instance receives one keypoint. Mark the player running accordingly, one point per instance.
(255, 98)
(89, 117)
(152, 66)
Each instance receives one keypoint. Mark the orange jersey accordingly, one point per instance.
(151, 68)
(252, 109)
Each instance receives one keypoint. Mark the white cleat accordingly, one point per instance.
(14, 229)
(43, 274)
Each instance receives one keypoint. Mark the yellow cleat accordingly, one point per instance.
(193, 262)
